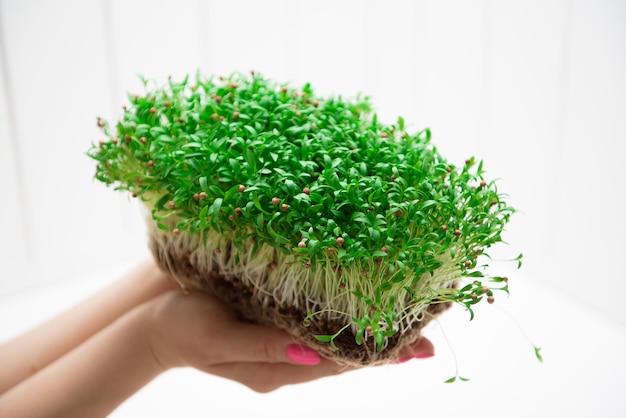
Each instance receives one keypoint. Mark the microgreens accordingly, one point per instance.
(320, 204)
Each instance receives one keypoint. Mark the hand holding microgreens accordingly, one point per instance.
(311, 204)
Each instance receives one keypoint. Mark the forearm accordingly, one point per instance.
(31, 352)
(93, 379)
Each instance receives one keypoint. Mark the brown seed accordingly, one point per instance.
(473, 296)
(238, 211)
(364, 272)
(143, 140)
(490, 299)
(150, 163)
(485, 289)
(468, 263)
(306, 323)
(217, 251)
(284, 207)
(176, 231)
(215, 116)
(221, 118)
(233, 85)
(235, 115)
(398, 213)
(444, 228)
(270, 267)
(306, 191)
(171, 204)
(340, 241)
(167, 103)
(202, 195)
(101, 143)
(134, 194)
(307, 265)
(114, 140)
(393, 177)
(196, 197)
(302, 244)
(342, 285)
(331, 250)
(372, 208)
(242, 188)
(275, 201)
(294, 106)
(316, 103)
(483, 183)
(284, 89)
(127, 138)
(368, 329)
(505, 279)
(231, 217)
(218, 99)
(252, 72)
(468, 161)
(385, 250)
(153, 110)
(457, 232)
(100, 123)
(384, 135)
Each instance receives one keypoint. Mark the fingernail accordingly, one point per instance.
(425, 355)
(302, 355)
(418, 356)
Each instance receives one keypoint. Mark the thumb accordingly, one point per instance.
(251, 343)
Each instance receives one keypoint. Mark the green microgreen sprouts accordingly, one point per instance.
(312, 200)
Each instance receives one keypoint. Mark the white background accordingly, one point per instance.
(535, 88)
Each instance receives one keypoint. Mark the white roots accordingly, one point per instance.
(322, 289)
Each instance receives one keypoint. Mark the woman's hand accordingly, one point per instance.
(200, 331)
(99, 353)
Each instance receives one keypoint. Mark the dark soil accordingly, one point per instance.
(234, 292)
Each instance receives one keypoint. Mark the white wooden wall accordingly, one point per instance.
(535, 88)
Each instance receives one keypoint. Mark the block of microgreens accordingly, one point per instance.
(305, 213)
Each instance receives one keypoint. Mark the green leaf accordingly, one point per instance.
(324, 338)
(275, 235)
(538, 354)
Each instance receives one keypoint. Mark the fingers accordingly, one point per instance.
(420, 349)
(266, 377)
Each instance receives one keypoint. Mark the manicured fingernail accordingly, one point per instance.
(302, 355)
(425, 355)
(418, 356)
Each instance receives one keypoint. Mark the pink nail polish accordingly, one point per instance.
(425, 355)
(302, 355)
